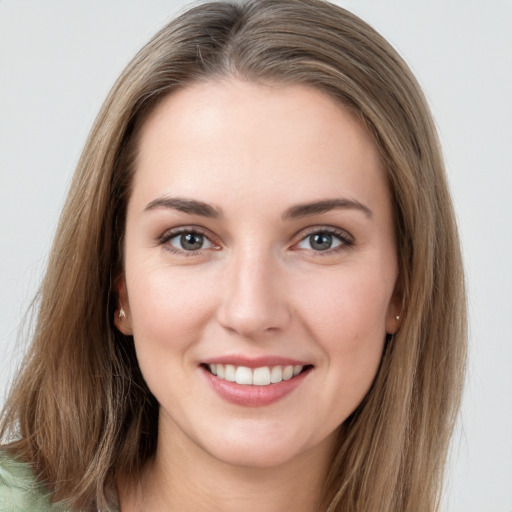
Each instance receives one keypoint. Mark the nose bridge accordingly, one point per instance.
(253, 302)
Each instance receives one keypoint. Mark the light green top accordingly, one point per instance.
(19, 490)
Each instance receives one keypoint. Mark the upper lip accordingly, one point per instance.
(255, 362)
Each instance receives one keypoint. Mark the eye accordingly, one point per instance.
(322, 241)
(189, 241)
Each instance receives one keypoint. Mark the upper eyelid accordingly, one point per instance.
(347, 241)
(172, 232)
(165, 239)
(342, 233)
(216, 241)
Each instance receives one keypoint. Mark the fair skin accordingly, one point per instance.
(259, 234)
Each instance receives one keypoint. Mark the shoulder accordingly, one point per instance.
(19, 490)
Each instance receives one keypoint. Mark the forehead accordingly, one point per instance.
(223, 136)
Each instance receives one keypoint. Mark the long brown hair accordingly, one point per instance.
(80, 411)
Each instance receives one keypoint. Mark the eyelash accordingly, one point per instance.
(344, 238)
(346, 241)
(169, 235)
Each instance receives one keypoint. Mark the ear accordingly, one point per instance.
(122, 315)
(395, 309)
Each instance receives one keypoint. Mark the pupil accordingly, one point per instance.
(191, 241)
(321, 241)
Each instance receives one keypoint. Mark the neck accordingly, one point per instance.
(184, 477)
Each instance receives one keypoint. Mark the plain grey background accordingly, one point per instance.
(58, 60)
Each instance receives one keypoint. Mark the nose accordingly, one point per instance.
(253, 300)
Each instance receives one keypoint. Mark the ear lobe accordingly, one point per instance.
(394, 317)
(393, 323)
(122, 315)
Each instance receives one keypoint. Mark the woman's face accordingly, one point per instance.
(259, 247)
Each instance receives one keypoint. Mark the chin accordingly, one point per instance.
(273, 448)
(255, 457)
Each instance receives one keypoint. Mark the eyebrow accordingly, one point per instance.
(185, 205)
(326, 205)
(195, 207)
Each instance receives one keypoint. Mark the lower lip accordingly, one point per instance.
(253, 396)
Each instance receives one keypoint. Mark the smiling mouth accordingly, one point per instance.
(261, 376)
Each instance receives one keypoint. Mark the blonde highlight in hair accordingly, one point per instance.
(80, 411)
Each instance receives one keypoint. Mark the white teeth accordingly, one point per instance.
(287, 372)
(276, 374)
(230, 373)
(243, 375)
(262, 376)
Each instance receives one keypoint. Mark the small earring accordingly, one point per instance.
(122, 314)
(397, 316)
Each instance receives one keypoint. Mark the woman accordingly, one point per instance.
(255, 295)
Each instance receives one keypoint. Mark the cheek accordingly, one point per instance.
(352, 303)
(167, 307)
(346, 313)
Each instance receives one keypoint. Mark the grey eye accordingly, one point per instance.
(190, 241)
(320, 241)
